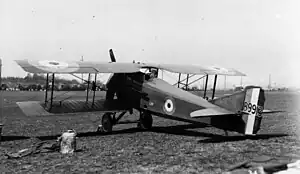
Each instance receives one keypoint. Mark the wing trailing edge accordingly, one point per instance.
(33, 108)
(195, 69)
(61, 67)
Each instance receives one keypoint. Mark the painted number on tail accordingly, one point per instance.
(250, 108)
(253, 109)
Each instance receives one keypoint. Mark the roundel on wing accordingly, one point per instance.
(169, 106)
(54, 66)
(54, 63)
(220, 69)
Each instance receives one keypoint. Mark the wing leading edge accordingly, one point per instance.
(66, 67)
(61, 67)
(195, 69)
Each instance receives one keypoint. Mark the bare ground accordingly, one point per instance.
(171, 147)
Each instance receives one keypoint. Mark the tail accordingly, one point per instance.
(249, 106)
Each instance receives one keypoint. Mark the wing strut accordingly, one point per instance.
(52, 89)
(195, 80)
(80, 78)
(94, 89)
(179, 79)
(204, 96)
(87, 90)
(187, 81)
(47, 84)
(214, 89)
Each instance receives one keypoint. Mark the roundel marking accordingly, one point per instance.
(54, 64)
(220, 69)
(216, 68)
(169, 106)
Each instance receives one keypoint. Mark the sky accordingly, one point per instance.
(257, 37)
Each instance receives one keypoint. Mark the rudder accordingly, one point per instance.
(248, 106)
(253, 108)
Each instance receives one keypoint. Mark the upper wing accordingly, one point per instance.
(46, 66)
(52, 66)
(194, 69)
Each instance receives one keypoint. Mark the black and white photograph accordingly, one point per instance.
(150, 86)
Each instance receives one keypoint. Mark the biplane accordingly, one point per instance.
(130, 88)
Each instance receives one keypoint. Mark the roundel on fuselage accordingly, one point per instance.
(169, 106)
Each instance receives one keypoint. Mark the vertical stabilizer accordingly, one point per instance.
(248, 106)
(253, 107)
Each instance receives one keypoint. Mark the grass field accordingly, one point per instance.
(171, 147)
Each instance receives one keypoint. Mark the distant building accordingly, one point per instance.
(238, 88)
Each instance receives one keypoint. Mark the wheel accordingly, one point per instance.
(107, 123)
(145, 121)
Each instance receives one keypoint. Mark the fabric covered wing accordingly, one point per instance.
(52, 66)
(195, 69)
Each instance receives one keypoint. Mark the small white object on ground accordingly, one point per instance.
(67, 142)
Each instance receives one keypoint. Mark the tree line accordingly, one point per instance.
(37, 82)
(36, 79)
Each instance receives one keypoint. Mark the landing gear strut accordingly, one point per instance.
(145, 121)
(110, 119)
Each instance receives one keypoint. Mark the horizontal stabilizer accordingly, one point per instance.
(210, 112)
(265, 111)
(33, 108)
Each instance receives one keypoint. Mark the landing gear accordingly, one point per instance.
(145, 121)
(110, 119)
(107, 123)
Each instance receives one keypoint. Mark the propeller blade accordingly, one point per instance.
(112, 56)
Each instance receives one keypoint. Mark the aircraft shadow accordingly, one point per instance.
(212, 138)
(221, 139)
(182, 130)
(13, 138)
(173, 130)
(81, 134)
(92, 134)
(176, 130)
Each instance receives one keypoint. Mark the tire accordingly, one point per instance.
(145, 121)
(107, 123)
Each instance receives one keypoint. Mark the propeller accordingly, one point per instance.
(112, 56)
